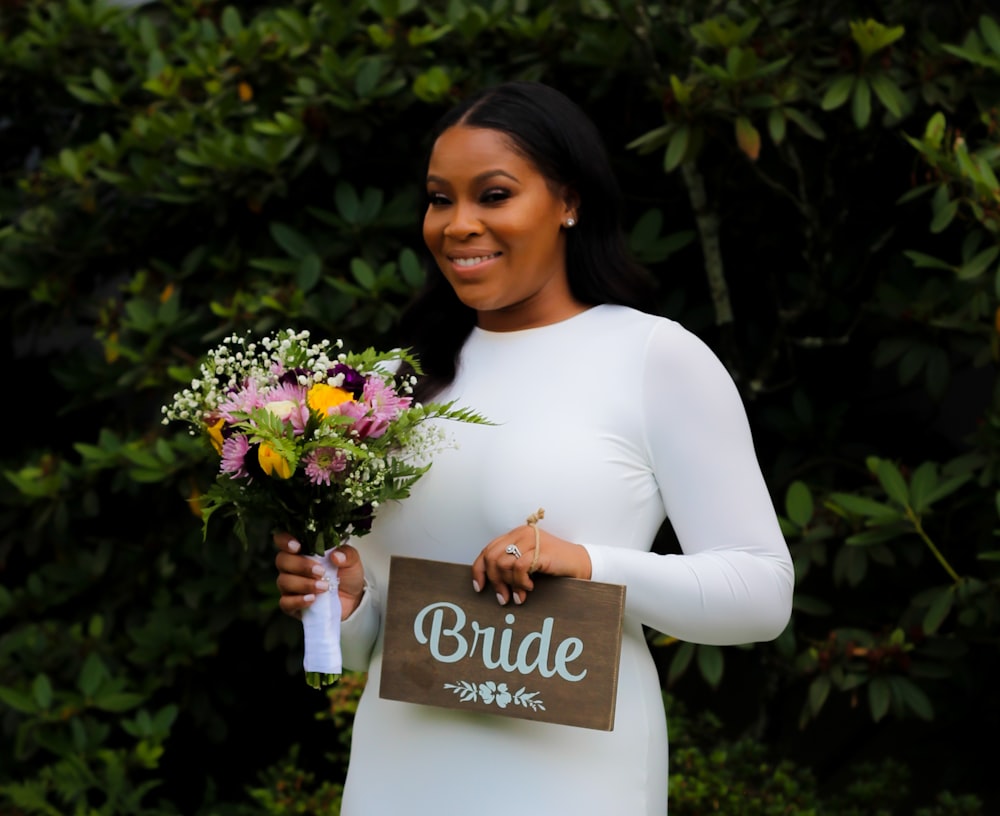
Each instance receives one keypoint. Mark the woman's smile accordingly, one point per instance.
(467, 262)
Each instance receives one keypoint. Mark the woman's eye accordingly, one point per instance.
(495, 196)
(436, 199)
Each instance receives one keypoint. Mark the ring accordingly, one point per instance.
(513, 550)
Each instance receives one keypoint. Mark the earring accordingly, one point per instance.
(570, 222)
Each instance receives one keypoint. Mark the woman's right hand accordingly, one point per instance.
(300, 578)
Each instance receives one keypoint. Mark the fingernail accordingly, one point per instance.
(501, 599)
(308, 598)
(322, 586)
(339, 557)
(319, 570)
(475, 585)
(517, 598)
(294, 546)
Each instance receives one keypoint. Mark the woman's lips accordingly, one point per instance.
(467, 262)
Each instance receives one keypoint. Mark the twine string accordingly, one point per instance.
(533, 520)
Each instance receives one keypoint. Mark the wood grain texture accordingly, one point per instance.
(552, 659)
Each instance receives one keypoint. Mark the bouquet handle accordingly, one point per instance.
(322, 658)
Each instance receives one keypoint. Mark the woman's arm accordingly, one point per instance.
(734, 582)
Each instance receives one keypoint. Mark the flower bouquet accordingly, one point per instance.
(314, 439)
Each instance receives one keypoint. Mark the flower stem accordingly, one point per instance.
(320, 680)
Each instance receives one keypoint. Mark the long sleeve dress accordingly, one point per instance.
(611, 420)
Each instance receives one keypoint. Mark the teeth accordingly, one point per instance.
(473, 261)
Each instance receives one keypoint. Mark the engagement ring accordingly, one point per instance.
(513, 550)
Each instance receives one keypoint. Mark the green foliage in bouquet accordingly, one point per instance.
(313, 438)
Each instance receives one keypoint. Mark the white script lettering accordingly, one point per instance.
(448, 644)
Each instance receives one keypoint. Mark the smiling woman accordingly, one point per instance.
(533, 276)
(497, 234)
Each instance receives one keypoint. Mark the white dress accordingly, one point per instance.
(610, 420)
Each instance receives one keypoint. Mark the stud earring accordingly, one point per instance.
(570, 222)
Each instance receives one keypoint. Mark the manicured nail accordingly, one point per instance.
(500, 598)
(339, 557)
(475, 585)
(319, 570)
(322, 586)
(294, 546)
(308, 598)
(517, 598)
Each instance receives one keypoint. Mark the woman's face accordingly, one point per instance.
(496, 228)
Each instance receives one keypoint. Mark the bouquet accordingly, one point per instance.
(315, 439)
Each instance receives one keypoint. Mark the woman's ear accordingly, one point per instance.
(572, 201)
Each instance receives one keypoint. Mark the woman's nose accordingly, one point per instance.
(463, 223)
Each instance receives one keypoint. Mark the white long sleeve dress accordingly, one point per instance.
(610, 420)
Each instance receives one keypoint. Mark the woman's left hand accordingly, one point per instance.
(504, 563)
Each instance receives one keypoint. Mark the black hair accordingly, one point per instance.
(553, 133)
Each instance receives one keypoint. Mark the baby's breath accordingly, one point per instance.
(329, 471)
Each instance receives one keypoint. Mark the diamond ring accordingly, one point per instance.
(513, 550)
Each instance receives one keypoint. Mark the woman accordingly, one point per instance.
(609, 418)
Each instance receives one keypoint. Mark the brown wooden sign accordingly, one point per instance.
(553, 658)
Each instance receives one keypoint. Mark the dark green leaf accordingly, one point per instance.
(363, 273)
(309, 272)
(837, 92)
(18, 701)
(863, 506)
(681, 660)
(118, 701)
(676, 148)
(799, 503)
(92, 674)
(892, 481)
(41, 690)
(861, 103)
(913, 697)
(889, 94)
(291, 240)
(879, 698)
(938, 610)
(819, 691)
(710, 664)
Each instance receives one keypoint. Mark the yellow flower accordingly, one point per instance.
(273, 463)
(323, 397)
(215, 435)
(194, 501)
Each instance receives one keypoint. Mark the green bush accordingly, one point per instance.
(814, 187)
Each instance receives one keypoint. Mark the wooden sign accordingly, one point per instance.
(553, 658)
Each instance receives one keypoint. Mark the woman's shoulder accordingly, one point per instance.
(631, 323)
(655, 341)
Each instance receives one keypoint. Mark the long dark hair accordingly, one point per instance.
(562, 142)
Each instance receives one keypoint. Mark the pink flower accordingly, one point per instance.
(378, 407)
(288, 403)
(241, 402)
(322, 463)
(234, 452)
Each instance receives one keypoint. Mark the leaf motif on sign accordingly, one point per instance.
(492, 693)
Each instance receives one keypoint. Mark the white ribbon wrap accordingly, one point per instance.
(321, 624)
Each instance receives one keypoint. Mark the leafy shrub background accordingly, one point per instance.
(814, 186)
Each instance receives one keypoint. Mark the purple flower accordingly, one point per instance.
(322, 463)
(353, 381)
(234, 453)
(291, 376)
